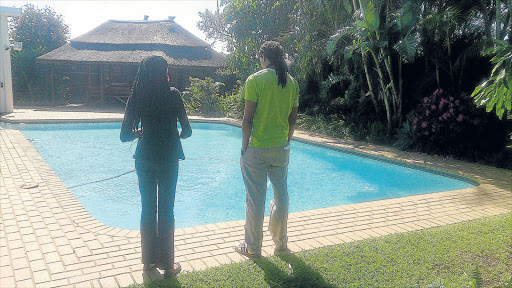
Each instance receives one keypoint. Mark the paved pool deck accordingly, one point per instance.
(47, 239)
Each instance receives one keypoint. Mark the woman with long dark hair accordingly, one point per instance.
(271, 105)
(156, 107)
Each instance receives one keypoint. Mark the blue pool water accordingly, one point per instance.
(210, 187)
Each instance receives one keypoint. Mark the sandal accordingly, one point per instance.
(169, 273)
(284, 251)
(241, 249)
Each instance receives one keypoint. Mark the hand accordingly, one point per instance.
(185, 133)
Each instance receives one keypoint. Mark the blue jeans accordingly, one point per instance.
(157, 185)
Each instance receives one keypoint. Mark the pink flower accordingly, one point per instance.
(414, 127)
(425, 100)
(451, 110)
(460, 118)
(440, 118)
(424, 124)
(445, 116)
(451, 98)
(433, 107)
(427, 112)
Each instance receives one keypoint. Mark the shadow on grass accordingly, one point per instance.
(299, 274)
(155, 279)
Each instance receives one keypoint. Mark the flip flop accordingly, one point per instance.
(173, 272)
(241, 249)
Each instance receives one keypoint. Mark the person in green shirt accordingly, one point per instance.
(271, 104)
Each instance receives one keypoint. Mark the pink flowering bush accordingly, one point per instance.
(444, 124)
(441, 115)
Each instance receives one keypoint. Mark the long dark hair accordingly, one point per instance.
(273, 51)
(150, 88)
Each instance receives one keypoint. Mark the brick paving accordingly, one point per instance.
(47, 239)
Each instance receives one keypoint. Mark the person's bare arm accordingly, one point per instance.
(186, 130)
(247, 122)
(292, 121)
(129, 130)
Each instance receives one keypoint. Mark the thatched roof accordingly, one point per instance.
(132, 41)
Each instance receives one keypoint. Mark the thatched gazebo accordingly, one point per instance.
(100, 65)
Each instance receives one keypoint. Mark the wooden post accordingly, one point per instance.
(89, 84)
(52, 81)
(102, 82)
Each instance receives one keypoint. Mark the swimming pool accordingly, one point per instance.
(210, 187)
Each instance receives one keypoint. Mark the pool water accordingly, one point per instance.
(210, 187)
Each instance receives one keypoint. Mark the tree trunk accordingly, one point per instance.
(385, 91)
(354, 2)
(370, 85)
(487, 22)
(400, 90)
(437, 75)
(449, 45)
(498, 20)
(507, 20)
(394, 94)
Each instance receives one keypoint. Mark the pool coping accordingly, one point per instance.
(70, 247)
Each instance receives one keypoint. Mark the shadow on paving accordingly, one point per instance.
(299, 274)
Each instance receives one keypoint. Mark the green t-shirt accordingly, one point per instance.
(270, 124)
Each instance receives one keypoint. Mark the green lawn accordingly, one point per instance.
(449, 255)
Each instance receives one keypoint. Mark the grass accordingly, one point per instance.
(447, 256)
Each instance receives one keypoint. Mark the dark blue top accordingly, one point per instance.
(159, 139)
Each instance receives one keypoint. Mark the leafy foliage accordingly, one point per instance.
(496, 92)
(377, 35)
(331, 126)
(26, 73)
(202, 96)
(243, 26)
(38, 27)
(40, 31)
(231, 103)
(367, 63)
(476, 281)
(444, 124)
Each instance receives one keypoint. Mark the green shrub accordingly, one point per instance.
(328, 125)
(202, 97)
(27, 76)
(231, 103)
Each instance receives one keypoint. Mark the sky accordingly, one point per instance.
(84, 15)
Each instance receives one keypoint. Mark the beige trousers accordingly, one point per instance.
(257, 164)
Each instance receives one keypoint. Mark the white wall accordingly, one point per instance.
(6, 102)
